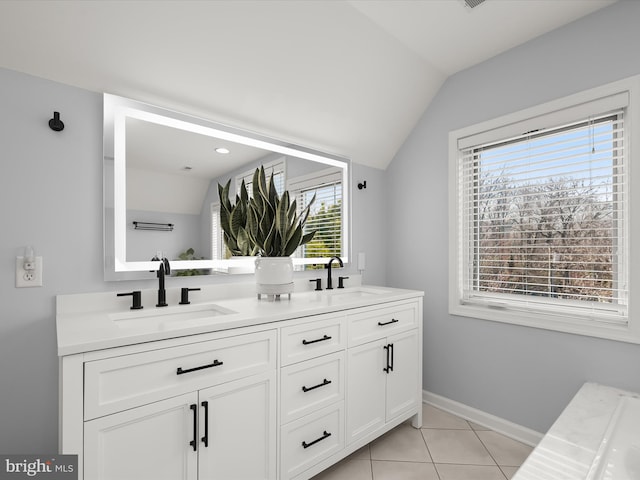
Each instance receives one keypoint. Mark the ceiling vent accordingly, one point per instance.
(473, 3)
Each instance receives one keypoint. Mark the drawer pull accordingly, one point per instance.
(194, 442)
(393, 320)
(215, 363)
(309, 342)
(325, 434)
(324, 382)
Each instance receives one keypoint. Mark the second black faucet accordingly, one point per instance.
(164, 269)
(329, 280)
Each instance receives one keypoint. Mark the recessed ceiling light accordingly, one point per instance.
(222, 150)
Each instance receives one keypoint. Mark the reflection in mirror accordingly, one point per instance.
(163, 168)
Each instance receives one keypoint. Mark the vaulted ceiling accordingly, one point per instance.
(348, 77)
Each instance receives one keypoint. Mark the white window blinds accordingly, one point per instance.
(325, 215)
(543, 217)
(216, 233)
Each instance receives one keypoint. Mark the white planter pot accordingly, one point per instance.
(274, 276)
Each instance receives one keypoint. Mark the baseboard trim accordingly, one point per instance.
(497, 424)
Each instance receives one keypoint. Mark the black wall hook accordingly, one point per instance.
(362, 185)
(55, 123)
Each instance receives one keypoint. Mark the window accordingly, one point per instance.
(325, 215)
(216, 233)
(542, 216)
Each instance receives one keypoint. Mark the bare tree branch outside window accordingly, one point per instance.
(545, 214)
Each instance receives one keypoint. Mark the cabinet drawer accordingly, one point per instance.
(127, 381)
(311, 385)
(311, 439)
(320, 337)
(374, 324)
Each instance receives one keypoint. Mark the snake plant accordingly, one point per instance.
(233, 220)
(266, 223)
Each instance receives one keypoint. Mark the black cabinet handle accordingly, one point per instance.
(324, 382)
(393, 320)
(389, 349)
(309, 342)
(325, 434)
(194, 442)
(205, 439)
(215, 363)
(387, 369)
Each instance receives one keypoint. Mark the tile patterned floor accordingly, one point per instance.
(446, 448)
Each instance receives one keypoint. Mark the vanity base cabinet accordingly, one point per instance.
(404, 380)
(312, 393)
(223, 432)
(382, 381)
(366, 384)
(277, 401)
(242, 430)
(145, 443)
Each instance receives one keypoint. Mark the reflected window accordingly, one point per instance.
(216, 233)
(325, 216)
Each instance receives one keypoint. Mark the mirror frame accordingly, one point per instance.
(116, 111)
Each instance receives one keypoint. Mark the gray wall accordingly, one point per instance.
(51, 198)
(522, 374)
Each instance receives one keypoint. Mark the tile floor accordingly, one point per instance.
(446, 448)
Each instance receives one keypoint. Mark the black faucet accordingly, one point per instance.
(162, 271)
(329, 283)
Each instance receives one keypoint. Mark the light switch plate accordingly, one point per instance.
(361, 261)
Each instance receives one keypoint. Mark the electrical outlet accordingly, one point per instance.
(28, 277)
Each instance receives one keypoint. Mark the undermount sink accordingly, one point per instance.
(167, 315)
(353, 293)
(618, 457)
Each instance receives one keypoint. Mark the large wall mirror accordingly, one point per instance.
(161, 174)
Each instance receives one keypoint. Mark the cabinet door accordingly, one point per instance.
(149, 442)
(365, 389)
(238, 421)
(403, 382)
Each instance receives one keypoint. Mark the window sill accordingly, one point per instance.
(549, 321)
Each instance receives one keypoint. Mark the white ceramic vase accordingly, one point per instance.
(274, 276)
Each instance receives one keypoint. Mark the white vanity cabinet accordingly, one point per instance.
(148, 442)
(312, 393)
(198, 410)
(227, 431)
(242, 430)
(384, 373)
(281, 399)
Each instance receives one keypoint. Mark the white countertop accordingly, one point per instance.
(85, 322)
(570, 446)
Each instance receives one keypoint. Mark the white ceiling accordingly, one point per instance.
(348, 77)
